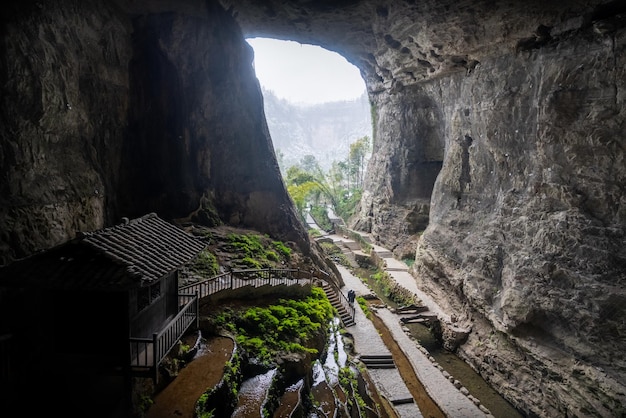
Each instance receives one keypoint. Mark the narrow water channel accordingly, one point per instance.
(252, 394)
(475, 384)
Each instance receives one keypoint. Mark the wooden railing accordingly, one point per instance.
(147, 353)
(239, 278)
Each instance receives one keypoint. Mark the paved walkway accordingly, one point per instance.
(367, 342)
(452, 401)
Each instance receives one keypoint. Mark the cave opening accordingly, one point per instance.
(319, 118)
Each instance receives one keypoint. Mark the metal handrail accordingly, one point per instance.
(342, 298)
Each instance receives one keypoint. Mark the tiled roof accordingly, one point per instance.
(135, 253)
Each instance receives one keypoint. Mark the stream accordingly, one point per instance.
(472, 381)
(327, 397)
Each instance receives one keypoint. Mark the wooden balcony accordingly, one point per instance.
(146, 354)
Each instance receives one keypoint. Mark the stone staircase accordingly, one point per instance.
(333, 297)
(382, 361)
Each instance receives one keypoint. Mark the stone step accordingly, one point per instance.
(383, 361)
(384, 254)
(334, 300)
(352, 245)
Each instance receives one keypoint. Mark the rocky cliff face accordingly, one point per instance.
(499, 126)
(110, 110)
(525, 241)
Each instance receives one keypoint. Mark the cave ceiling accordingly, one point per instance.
(399, 43)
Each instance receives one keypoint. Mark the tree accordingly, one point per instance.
(308, 184)
(359, 153)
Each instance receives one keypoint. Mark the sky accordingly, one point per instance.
(305, 74)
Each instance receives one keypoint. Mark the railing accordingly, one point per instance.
(149, 352)
(239, 278)
(342, 298)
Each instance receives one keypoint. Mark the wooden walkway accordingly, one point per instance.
(274, 277)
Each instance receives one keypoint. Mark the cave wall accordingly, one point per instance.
(525, 241)
(117, 109)
(500, 126)
(526, 236)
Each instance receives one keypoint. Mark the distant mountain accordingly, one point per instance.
(324, 130)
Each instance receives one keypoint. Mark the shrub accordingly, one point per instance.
(285, 326)
(206, 264)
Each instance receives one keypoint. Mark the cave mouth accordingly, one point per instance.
(317, 109)
(305, 74)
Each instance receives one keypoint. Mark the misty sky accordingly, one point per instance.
(305, 74)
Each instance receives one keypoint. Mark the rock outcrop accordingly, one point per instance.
(113, 110)
(498, 154)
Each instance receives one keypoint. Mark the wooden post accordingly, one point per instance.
(197, 311)
(154, 359)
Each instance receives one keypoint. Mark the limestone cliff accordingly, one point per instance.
(115, 109)
(500, 126)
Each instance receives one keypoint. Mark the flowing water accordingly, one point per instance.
(252, 394)
(475, 384)
(328, 397)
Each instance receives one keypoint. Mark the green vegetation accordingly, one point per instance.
(335, 253)
(258, 251)
(145, 402)
(340, 187)
(206, 264)
(227, 389)
(320, 214)
(232, 375)
(348, 381)
(363, 304)
(282, 249)
(393, 291)
(284, 327)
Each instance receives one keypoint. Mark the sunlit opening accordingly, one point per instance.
(305, 74)
(319, 118)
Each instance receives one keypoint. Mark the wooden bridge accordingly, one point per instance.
(147, 353)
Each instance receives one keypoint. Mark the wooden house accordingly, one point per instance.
(105, 304)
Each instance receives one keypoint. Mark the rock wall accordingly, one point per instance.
(528, 221)
(498, 124)
(119, 109)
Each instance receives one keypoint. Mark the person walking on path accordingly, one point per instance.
(351, 296)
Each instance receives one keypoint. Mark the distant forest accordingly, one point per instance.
(325, 130)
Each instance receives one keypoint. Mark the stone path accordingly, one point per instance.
(367, 342)
(452, 400)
